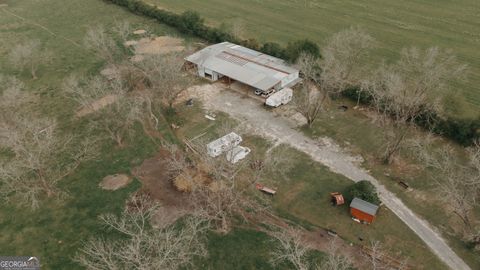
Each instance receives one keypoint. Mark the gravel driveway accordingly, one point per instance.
(257, 120)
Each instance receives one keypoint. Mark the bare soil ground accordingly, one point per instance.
(139, 32)
(110, 72)
(97, 105)
(116, 181)
(159, 45)
(157, 182)
(203, 92)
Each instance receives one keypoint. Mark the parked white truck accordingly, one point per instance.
(281, 97)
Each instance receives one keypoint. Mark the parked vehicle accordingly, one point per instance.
(281, 97)
(267, 93)
(258, 92)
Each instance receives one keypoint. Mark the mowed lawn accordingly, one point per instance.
(394, 23)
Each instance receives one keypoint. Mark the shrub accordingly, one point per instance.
(273, 49)
(295, 49)
(363, 190)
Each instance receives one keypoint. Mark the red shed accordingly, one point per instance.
(363, 210)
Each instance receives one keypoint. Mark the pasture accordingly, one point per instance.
(395, 24)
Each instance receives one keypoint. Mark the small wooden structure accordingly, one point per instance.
(363, 211)
(265, 189)
(337, 198)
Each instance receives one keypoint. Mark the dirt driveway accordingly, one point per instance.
(257, 120)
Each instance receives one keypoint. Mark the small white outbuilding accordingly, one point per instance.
(223, 144)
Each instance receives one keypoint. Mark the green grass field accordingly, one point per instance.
(395, 24)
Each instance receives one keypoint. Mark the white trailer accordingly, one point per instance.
(237, 153)
(223, 144)
(281, 97)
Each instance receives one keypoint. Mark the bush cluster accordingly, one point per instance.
(191, 23)
(363, 190)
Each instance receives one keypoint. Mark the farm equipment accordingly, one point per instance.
(337, 198)
(265, 189)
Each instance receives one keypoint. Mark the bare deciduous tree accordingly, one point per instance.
(458, 184)
(144, 247)
(101, 43)
(226, 195)
(342, 63)
(123, 29)
(35, 168)
(13, 97)
(334, 260)
(275, 162)
(118, 117)
(339, 68)
(379, 258)
(165, 77)
(291, 248)
(411, 89)
(310, 102)
(29, 55)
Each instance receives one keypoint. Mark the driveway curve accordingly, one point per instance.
(259, 121)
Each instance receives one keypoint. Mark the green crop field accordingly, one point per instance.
(395, 24)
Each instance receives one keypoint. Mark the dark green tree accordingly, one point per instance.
(295, 49)
(363, 190)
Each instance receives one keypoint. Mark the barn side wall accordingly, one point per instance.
(361, 215)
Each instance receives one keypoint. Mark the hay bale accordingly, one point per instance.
(183, 183)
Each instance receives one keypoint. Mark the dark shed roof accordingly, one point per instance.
(364, 206)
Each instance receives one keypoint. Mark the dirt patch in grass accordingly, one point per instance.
(110, 72)
(204, 93)
(402, 167)
(116, 181)
(166, 216)
(159, 45)
(140, 32)
(96, 105)
(157, 181)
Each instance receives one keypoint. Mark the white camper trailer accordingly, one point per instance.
(281, 97)
(223, 144)
(237, 153)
